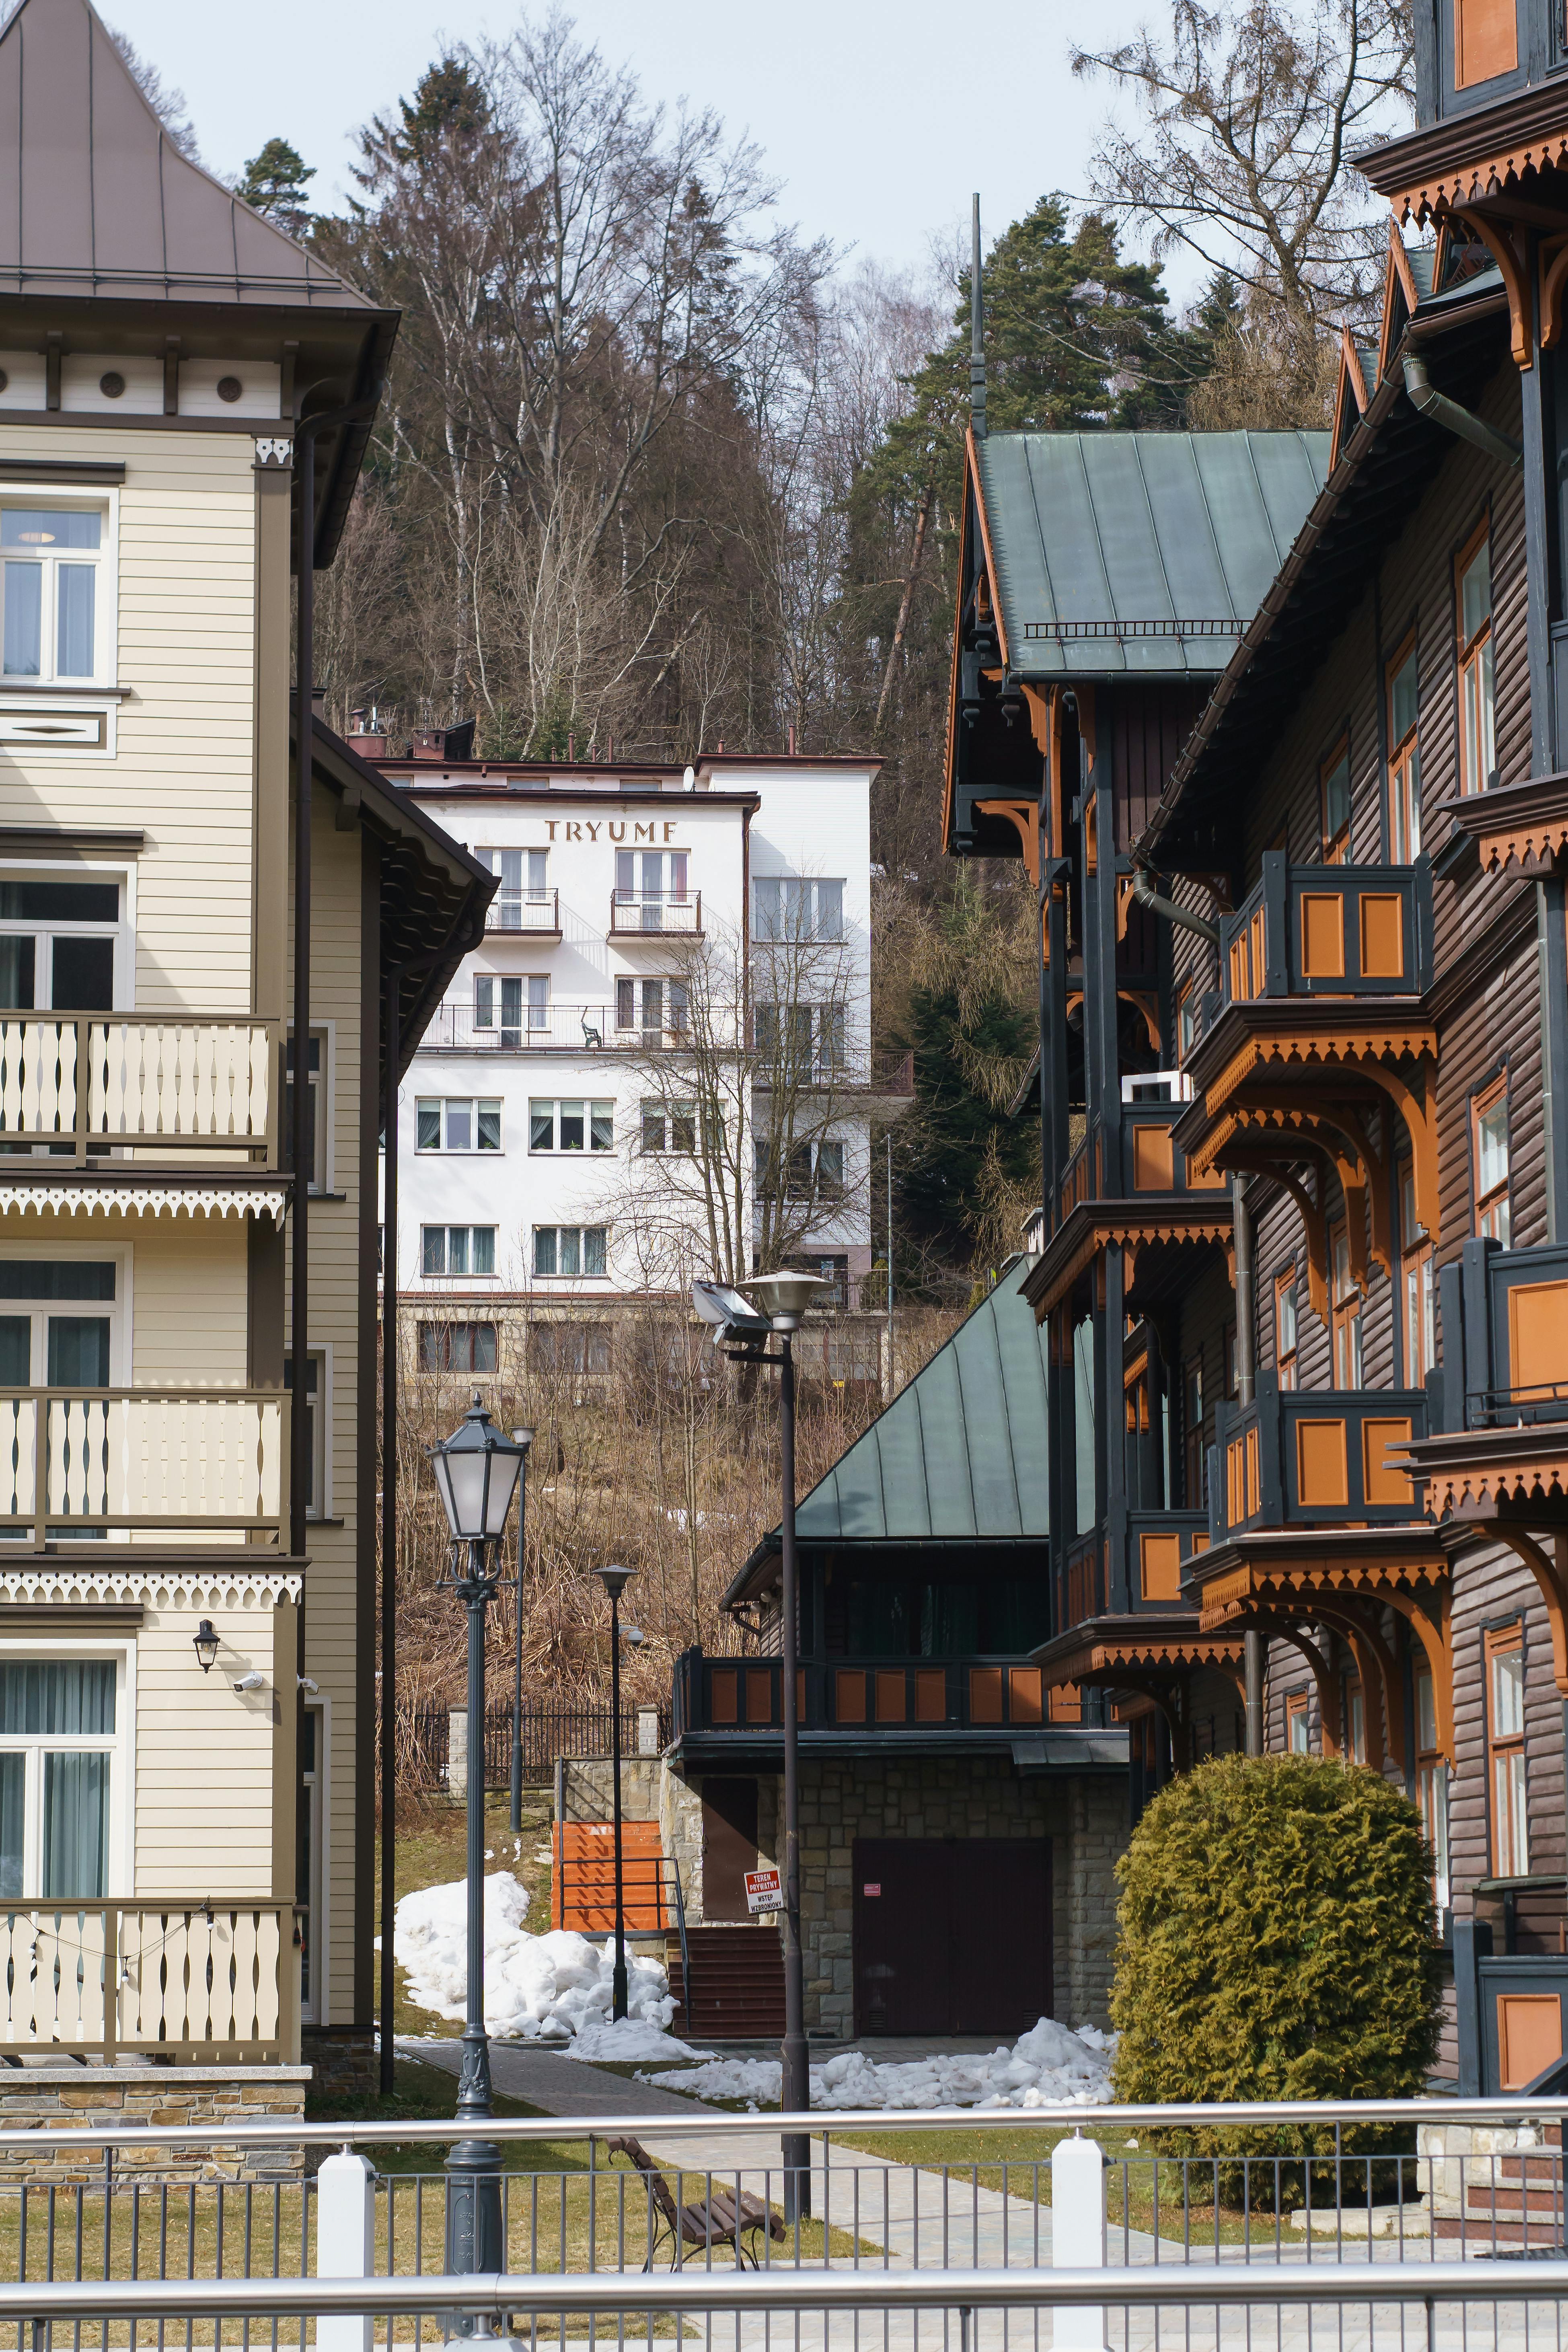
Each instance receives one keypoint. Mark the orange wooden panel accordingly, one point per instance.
(1024, 1704)
(1209, 1182)
(1322, 934)
(1382, 935)
(1159, 1567)
(725, 1686)
(1236, 1482)
(930, 1694)
(892, 1698)
(759, 1695)
(1255, 929)
(1253, 1473)
(583, 1883)
(1382, 1483)
(1485, 41)
(1152, 1167)
(1537, 1335)
(1200, 1543)
(1066, 1704)
(1240, 988)
(849, 1695)
(984, 1694)
(1528, 2035)
(1321, 1467)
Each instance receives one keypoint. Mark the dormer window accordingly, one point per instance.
(51, 619)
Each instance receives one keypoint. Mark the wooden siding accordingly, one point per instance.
(204, 1756)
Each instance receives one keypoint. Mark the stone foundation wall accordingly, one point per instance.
(342, 2058)
(74, 2099)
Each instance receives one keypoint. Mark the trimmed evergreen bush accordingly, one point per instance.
(1276, 1942)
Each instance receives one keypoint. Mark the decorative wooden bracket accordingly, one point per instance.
(1025, 815)
(1434, 1641)
(1554, 278)
(1515, 276)
(1552, 1575)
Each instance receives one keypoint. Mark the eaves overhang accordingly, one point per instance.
(1146, 1218)
(1479, 152)
(1110, 1648)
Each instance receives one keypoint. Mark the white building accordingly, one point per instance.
(648, 921)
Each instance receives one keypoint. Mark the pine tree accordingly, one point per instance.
(274, 185)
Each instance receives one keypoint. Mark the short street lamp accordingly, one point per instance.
(523, 1437)
(777, 1304)
(478, 1471)
(615, 1581)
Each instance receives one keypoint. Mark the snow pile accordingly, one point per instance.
(1045, 2067)
(555, 1983)
(625, 2039)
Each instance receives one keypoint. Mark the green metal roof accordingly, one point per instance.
(1139, 554)
(960, 1452)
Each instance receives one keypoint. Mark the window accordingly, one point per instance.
(51, 625)
(1344, 1296)
(457, 1249)
(669, 1127)
(498, 1005)
(832, 1269)
(458, 1124)
(1334, 785)
(57, 1767)
(812, 1171)
(1418, 1277)
(1432, 1783)
(800, 1041)
(1299, 1722)
(1285, 1327)
(565, 1126)
(315, 1393)
(315, 1124)
(1193, 1433)
(1404, 758)
(456, 1347)
(522, 885)
(787, 909)
(578, 1348)
(1505, 1752)
(40, 1347)
(571, 1249)
(1187, 1019)
(1489, 1116)
(650, 889)
(57, 945)
(1473, 622)
(658, 1007)
(1356, 1721)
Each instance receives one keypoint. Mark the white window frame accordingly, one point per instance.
(122, 930)
(557, 1149)
(461, 1151)
(441, 1225)
(557, 1226)
(122, 1747)
(121, 1354)
(809, 933)
(103, 499)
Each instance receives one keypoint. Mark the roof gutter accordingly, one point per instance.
(1168, 907)
(1447, 413)
(1417, 330)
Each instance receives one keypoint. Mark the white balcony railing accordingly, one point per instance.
(81, 1085)
(191, 1978)
(580, 1028)
(525, 910)
(92, 1462)
(641, 913)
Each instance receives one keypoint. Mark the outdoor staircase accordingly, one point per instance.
(737, 1984)
(1523, 2205)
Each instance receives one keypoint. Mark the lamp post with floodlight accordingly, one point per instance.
(780, 1303)
(477, 1474)
(615, 1581)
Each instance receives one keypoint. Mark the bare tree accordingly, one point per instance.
(1248, 112)
(170, 105)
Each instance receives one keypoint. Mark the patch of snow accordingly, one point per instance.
(628, 2038)
(551, 1984)
(1045, 2067)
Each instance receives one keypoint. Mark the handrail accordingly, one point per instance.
(698, 2289)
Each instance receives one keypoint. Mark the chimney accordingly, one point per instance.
(428, 743)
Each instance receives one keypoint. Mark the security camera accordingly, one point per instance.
(252, 1681)
(304, 1683)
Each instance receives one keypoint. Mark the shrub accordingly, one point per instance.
(1277, 1942)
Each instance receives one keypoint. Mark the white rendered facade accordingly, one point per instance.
(632, 903)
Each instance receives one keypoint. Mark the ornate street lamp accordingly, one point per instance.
(615, 1581)
(477, 1472)
(775, 1307)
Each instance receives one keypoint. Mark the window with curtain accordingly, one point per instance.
(57, 1727)
(1473, 627)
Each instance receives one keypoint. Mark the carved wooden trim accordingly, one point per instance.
(1553, 277)
(1025, 817)
(1516, 277)
(1552, 1576)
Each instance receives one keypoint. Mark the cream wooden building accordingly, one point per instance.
(186, 1638)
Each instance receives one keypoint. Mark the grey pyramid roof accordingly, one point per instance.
(95, 198)
(960, 1452)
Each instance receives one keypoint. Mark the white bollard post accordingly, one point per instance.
(345, 2244)
(1078, 2237)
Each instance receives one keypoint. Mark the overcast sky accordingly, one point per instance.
(877, 116)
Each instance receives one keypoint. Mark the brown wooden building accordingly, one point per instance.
(1304, 1077)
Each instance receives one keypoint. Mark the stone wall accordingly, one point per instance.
(342, 2058)
(74, 2099)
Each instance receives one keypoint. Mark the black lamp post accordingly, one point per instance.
(615, 1581)
(780, 1302)
(476, 1473)
(523, 1437)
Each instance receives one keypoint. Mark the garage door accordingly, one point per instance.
(952, 1935)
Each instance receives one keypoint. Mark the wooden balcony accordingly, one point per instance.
(197, 1980)
(77, 1089)
(1329, 930)
(107, 1464)
(857, 1701)
(1315, 1458)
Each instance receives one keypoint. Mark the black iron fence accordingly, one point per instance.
(546, 1732)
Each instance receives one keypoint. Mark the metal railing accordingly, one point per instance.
(634, 914)
(593, 2233)
(77, 1085)
(524, 911)
(547, 1732)
(78, 1461)
(542, 1028)
(204, 1980)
